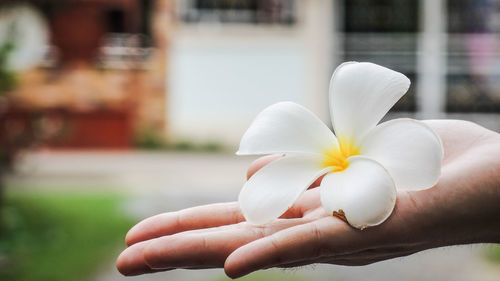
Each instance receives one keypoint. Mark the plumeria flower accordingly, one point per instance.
(364, 163)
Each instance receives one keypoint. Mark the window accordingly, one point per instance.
(238, 11)
(383, 32)
(473, 79)
(381, 15)
(111, 34)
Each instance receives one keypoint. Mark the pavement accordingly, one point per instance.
(166, 181)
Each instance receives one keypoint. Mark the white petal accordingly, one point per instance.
(410, 150)
(275, 187)
(286, 127)
(360, 95)
(364, 192)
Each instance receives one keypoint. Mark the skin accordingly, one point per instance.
(463, 207)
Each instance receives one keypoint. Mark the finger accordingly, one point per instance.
(307, 241)
(207, 249)
(328, 237)
(131, 261)
(188, 219)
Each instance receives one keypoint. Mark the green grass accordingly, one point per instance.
(58, 236)
(493, 253)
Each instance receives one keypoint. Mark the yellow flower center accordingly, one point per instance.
(336, 158)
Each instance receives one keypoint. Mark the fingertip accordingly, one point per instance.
(261, 162)
(144, 230)
(120, 265)
(132, 237)
(232, 267)
(130, 262)
(242, 261)
(231, 274)
(129, 238)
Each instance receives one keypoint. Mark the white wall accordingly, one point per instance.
(222, 75)
(217, 89)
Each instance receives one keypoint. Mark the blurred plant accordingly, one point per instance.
(187, 145)
(7, 83)
(8, 78)
(150, 140)
(15, 134)
(19, 129)
(39, 230)
(183, 145)
(493, 253)
(211, 146)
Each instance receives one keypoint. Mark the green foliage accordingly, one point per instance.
(186, 145)
(183, 145)
(150, 140)
(8, 79)
(493, 253)
(58, 237)
(211, 146)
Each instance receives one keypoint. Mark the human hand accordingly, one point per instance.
(462, 208)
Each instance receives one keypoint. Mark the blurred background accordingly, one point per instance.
(115, 110)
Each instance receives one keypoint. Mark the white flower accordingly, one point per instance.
(364, 163)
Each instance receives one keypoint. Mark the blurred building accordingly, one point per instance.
(102, 78)
(106, 77)
(231, 59)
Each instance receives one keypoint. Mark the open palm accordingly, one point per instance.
(461, 208)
